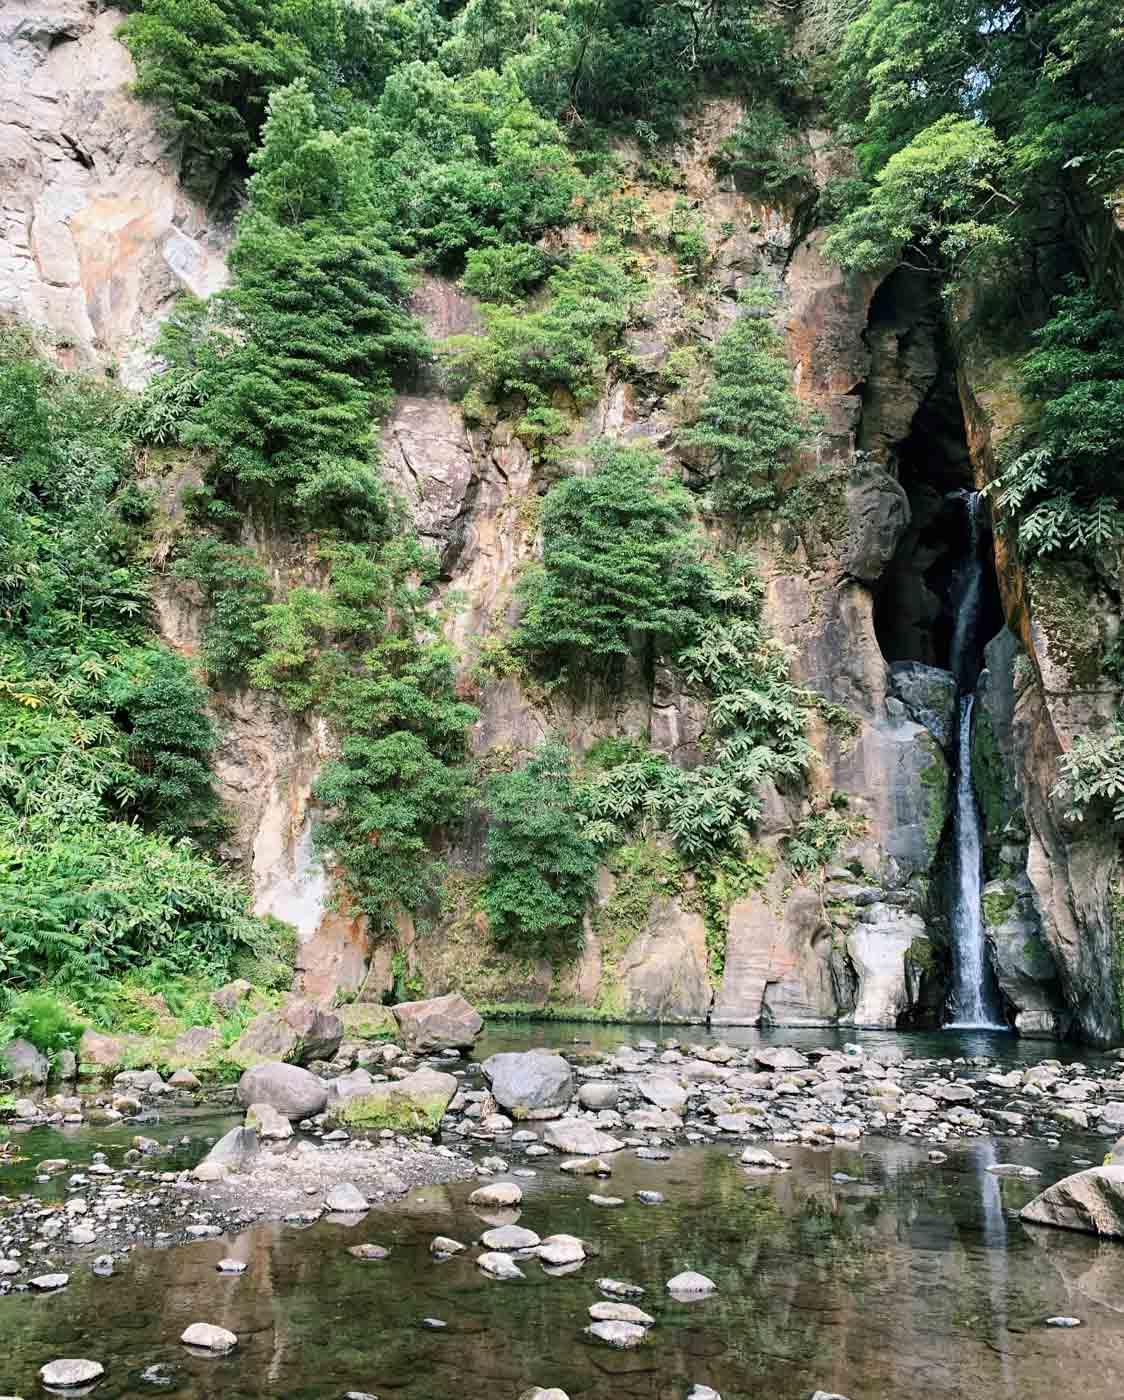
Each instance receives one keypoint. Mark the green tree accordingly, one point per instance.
(541, 866)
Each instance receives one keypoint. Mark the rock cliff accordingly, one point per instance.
(98, 238)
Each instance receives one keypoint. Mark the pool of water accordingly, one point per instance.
(906, 1280)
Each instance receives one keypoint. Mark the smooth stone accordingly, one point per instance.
(621, 1312)
(691, 1283)
(70, 1372)
(616, 1334)
(1013, 1169)
(1062, 1321)
(434, 1324)
(500, 1266)
(509, 1238)
(605, 1200)
(586, 1166)
(703, 1392)
(617, 1288)
(231, 1266)
(442, 1244)
(650, 1198)
(497, 1193)
(48, 1283)
(559, 1250)
(536, 1392)
(579, 1139)
(207, 1337)
(1092, 1201)
(762, 1160)
(368, 1251)
(346, 1198)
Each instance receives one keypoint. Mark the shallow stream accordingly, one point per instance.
(906, 1279)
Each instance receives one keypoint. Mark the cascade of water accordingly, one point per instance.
(973, 996)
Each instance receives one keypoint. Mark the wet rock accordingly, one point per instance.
(617, 1288)
(497, 1193)
(690, 1284)
(703, 1392)
(158, 1374)
(509, 1238)
(586, 1166)
(1091, 1201)
(442, 1244)
(559, 1250)
(22, 1063)
(929, 695)
(616, 1334)
(664, 1092)
(50, 1283)
(208, 1337)
(289, 1089)
(438, 1023)
(1013, 1169)
(537, 1084)
(501, 1266)
(579, 1139)
(762, 1160)
(296, 1032)
(372, 1253)
(650, 1198)
(268, 1123)
(621, 1312)
(415, 1103)
(70, 1372)
(234, 1151)
(605, 1200)
(597, 1096)
(1063, 1321)
(102, 1267)
(346, 1198)
(231, 1266)
(828, 1395)
(536, 1392)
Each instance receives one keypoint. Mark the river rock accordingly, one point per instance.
(664, 1092)
(443, 1245)
(231, 1266)
(536, 1392)
(1091, 1200)
(71, 1372)
(416, 1103)
(346, 1198)
(509, 1238)
(370, 1253)
(269, 1125)
(498, 1265)
(596, 1200)
(105, 1052)
(296, 1032)
(762, 1160)
(50, 1283)
(586, 1166)
(597, 1096)
(779, 1057)
(616, 1334)
(497, 1193)
(690, 1285)
(558, 1250)
(579, 1139)
(22, 1063)
(208, 1337)
(289, 1089)
(621, 1312)
(618, 1288)
(438, 1023)
(537, 1084)
(234, 1151)
(184, 1079)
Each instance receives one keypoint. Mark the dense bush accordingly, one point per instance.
(621, 572)
(541, 865)
(750, 425)
(43, 1019)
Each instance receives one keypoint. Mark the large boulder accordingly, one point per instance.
(438, 1023)
(367, 1020)
(878, 514)
(22, 1063)
(104, 1054)
(1092, 1201)
(535, 1084)
(298, 1031)
(414, 1104)
(235, 1150)
(289, 1089)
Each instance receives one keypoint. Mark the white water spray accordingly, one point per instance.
(973, 999)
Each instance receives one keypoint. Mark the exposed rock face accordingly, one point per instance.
(439, 1023)
(97, 237)
(877, 516)
(929, 696)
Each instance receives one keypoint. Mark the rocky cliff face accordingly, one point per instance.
(97, 239)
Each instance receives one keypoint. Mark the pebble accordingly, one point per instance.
(231, 1266)
(1062, 1321)
(650, 1198)
(208, 1337)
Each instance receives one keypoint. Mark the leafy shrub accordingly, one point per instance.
(236, 592)
(1092, 775)
(43, 1019)
(541, 866)
(621, 568)
(816, 840)
(750, 424)
(767, 156)
(505, 273)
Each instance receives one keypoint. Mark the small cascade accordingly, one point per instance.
(974, 1000)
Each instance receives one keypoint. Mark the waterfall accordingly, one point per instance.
(973, 998)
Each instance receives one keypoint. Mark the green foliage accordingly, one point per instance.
(541, 865)
(234, 587)
(1065, 494)
(621, 568)
(1092, 775)
(727, 877)
(505, 273)
(400, 775)
(566, 345)
(750, 425)
(768, 156)
(642, 874)
(44, 1019)
(816, 841)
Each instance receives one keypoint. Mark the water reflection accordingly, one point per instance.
(905, 1279)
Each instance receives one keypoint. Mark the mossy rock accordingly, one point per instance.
(363, 1020)
(415, 1104)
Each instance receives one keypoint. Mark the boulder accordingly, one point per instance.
(438, 1023)
(597, 1096)
(664, 1092)
(195, 1045)
(234, 1151)
(22, 1063)
(537, 1084)
(298, 1031)
(229, 998)
(70, 1373)
(416, 1103)
(346, 1198)
(357, 1081)
(103, 1054)
(289, 1089)
(579, 1139)
(497, 1194)
(268, 1123)
(878, 514)
(500, 1266)
(1092, 1201)
(207, 1337)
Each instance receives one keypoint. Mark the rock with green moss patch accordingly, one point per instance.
(415, 1104)
(364, 1020)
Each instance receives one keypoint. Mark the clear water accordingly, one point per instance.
(908, 1280)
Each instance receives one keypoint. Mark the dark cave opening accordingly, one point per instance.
(916, 599)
